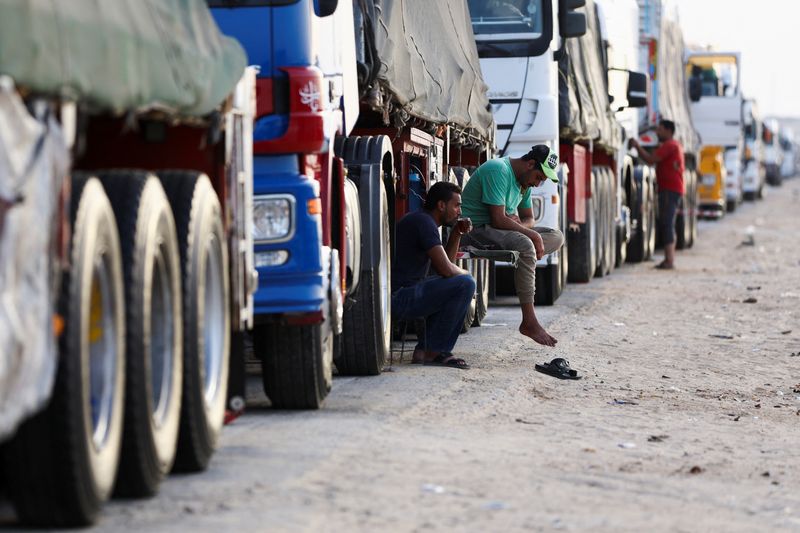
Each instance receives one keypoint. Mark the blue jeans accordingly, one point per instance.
(443, 302)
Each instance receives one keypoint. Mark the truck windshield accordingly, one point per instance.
(511, 28)
(719, 75)
(506, 17)
(249, 3)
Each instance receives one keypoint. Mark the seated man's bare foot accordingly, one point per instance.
(538, 334)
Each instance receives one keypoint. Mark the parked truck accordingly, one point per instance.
(753, 156)
(714, 85)
(362, 105)
(662, 52)
(773, 153)
(540, 58)
(125, 238)
(789, 147)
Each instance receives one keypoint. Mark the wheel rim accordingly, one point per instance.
(385, 274)
(162, 354)
(214, 322)
(103, 355)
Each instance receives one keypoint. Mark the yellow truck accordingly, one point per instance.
(711, 188)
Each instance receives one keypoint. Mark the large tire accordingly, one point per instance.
(611, 202)
(621, 244)
(605, 224)
(368, 320)
(154, 371)
(60, 466)
(293, 368)
(548, 285)
(693, 212)
(582, 247)
(640, 219)
(472, 267)
(206, 315)
(482, 292)
(651, 227)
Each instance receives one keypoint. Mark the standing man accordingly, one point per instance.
(497, 199)
(668, 158)
(441, 299)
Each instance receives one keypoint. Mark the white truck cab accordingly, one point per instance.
(714, 87)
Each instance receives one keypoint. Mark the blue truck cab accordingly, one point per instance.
(306, 97)
(299, 111)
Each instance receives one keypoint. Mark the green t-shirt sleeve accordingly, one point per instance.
(526, 200)
(494, 190)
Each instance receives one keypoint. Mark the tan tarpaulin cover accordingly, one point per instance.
(121, 55)
(673, 100)
(584, 109)
(429, 62)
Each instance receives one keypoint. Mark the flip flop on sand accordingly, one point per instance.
(558, 368)
(448, 360)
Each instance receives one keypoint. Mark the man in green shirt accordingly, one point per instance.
(497, 198)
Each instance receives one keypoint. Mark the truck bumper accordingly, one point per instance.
(751, 181)
(712, 210)
(297, 284)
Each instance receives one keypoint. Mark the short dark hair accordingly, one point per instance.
(440, 191)
(669, 125)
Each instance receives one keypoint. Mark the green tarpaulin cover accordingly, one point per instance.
(120, 55)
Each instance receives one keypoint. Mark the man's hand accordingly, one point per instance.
(538, 243)
(463, 226)
(515, 218)
(633, 143)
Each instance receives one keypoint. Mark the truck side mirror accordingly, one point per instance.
(695, 88)
(571, 23)
(637, 89)
(324, 8)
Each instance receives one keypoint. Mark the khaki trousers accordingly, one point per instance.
(525, 274)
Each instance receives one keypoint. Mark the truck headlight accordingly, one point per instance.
(273, 218)
(271, 258)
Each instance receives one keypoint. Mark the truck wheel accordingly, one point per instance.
(611, 227)
(61, 464)
(368, 321)
(582, 247)
(681, 231)
(482, 292)
(621, 245)
(686, 221)
(651, 225)
(293, 363)
(471, 266)
(693, 212)
(548, 285)
(640, 207)
(154, 372)
(206, 315)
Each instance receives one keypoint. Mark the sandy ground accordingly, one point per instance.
(687, 419)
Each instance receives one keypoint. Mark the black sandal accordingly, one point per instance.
(558, 368)
(449, 360)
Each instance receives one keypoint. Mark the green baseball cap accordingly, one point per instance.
(547, 158)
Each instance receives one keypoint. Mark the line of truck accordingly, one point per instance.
(219, 200)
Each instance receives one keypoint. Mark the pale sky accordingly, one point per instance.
(766, 32)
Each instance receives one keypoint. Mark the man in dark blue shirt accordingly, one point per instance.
(443, 298)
